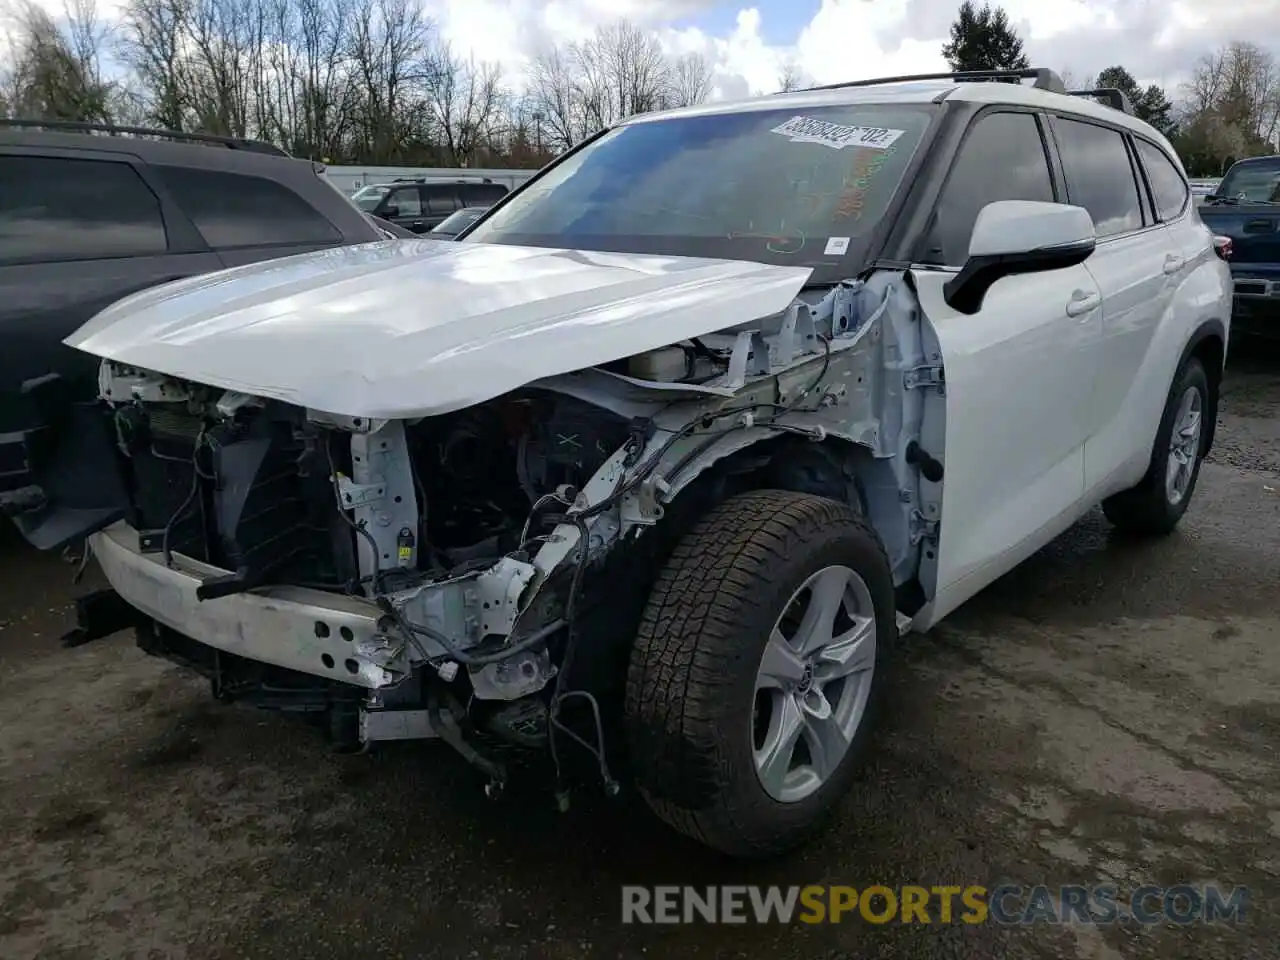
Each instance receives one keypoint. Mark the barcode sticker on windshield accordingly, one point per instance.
(835, 135)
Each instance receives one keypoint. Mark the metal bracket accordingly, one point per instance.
(750, 358)
(381, 464)
(926, 375)
(358, 494)
(797, 334)
(922, 528)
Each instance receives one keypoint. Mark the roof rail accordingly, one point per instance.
(1112, 96)
(76, 126)
(1045, 79)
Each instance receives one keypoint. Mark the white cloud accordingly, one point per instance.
(1157, 40)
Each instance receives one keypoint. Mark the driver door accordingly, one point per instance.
(403, 207)
(1019, 372)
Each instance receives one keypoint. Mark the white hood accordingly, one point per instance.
(410, 328)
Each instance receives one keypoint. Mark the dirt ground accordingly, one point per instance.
(1109, 712)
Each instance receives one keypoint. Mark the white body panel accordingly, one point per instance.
(1049, 414)
(1196, 290)
(1019, 391)
(414, 328)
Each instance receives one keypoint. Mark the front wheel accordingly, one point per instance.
(1157, 503)
(757, 671)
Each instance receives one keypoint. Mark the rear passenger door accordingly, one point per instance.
(79, 229)
(246, 218)
(439, 200)
(1131, 266)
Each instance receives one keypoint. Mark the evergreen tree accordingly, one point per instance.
(983, 40)
(1151, 104)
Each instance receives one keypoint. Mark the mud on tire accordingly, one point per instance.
(691, 684)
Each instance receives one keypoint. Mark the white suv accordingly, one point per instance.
(659, 460)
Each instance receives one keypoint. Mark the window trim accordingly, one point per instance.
(1056, 184)
(1054, 117)
(176, 240)
(339, 238)
(1186, 187)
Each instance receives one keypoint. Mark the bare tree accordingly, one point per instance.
(391, 57)
(152, 34)
(791, 77)
(553, 93)
(465, 100)
(56, 72)
(690, 80)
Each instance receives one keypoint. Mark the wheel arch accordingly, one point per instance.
(1208, 344)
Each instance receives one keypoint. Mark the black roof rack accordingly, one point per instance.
(1045, 79)
(74, 126)
(441, 180)
(1110, 95)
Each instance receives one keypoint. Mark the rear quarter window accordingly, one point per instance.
(1168, 188)
(59, 209)
(237, 210)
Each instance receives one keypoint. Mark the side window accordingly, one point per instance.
(58, 209)
(1166, 182)
(1099, 175)
(236, 210)
(441, 201)
(481, 194)
(1001, 158)
(407, 201)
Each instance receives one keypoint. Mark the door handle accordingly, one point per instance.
(417, 223)
(1173, 263)
(1261, 225)
(1082, 302)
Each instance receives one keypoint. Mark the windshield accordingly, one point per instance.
(791, 186)
(456, 222)
(367, 198)
(1255, 182)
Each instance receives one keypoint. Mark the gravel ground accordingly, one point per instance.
(1107, 712)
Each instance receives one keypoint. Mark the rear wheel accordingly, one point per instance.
(757, 671)
(1154, 506)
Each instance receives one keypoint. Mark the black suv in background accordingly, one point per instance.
(420, 204)
(91, 213)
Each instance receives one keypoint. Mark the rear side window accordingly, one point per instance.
(1167, 185)
(58, 209)
(1002, 158)
(235, 210)
(441, 200)
(1099, 176)
(481, 194)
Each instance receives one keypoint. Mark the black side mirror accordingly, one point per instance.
(390, 212)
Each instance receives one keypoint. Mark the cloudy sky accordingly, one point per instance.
(1158, 40)
(748, 43)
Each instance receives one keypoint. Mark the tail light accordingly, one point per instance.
(1222, 247)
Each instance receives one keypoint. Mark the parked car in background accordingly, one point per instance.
(1245, 207)
(419, 204)
(92, 213)
(455, 223)
(659, 463)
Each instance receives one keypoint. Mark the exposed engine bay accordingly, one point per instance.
(424, 578)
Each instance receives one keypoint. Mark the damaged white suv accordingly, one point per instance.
(655, 464)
